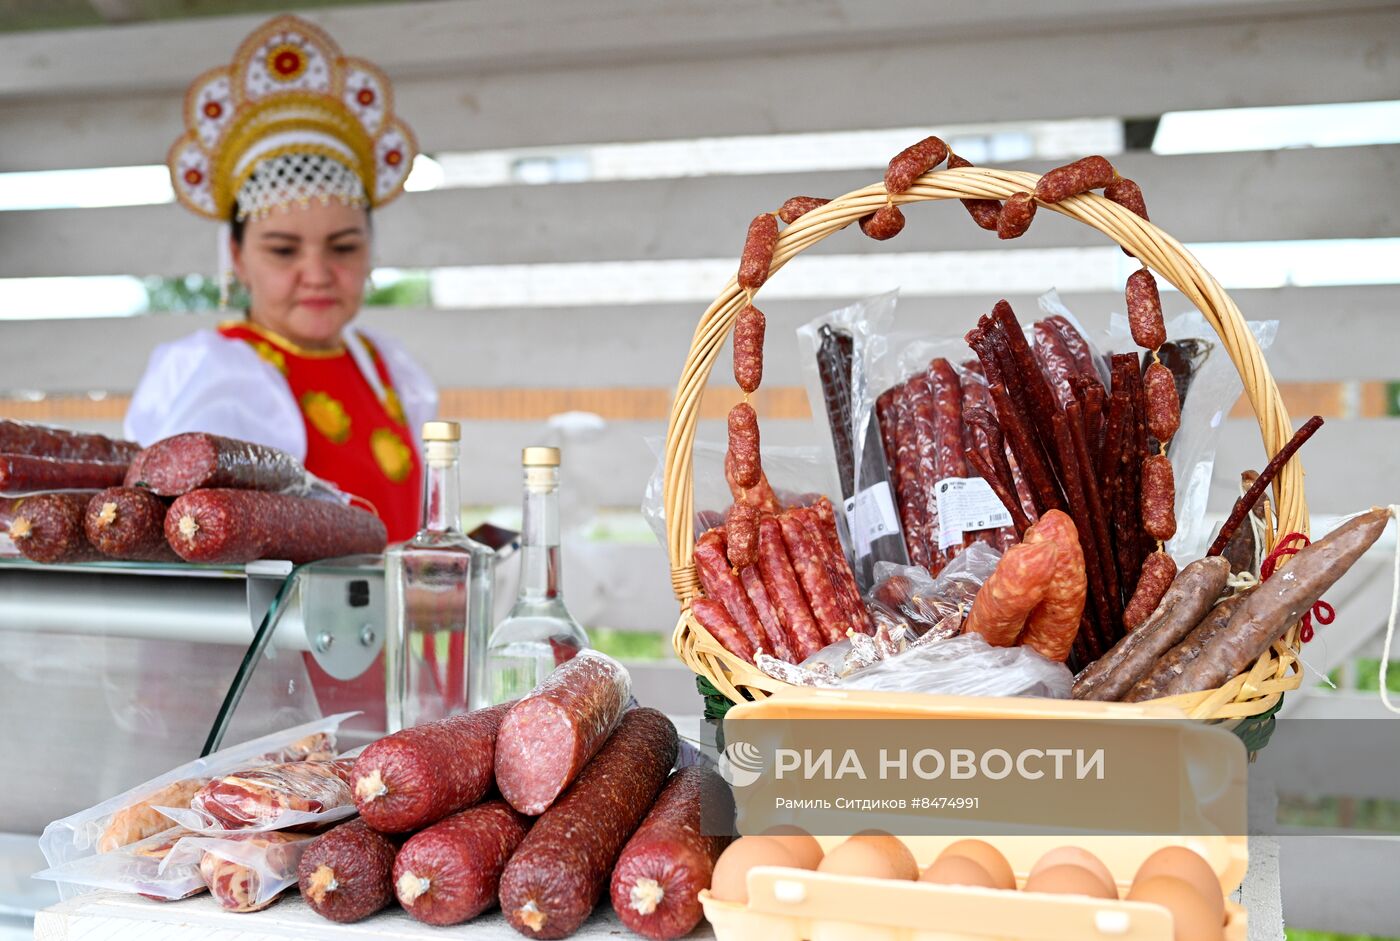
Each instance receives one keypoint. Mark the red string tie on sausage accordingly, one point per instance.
(1324, 612)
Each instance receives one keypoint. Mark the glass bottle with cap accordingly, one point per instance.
(539, 633)
(438, 598)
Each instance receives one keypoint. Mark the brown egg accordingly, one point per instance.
(1193, 919)
(729, 882)
(863, 856)
(1181, 863)
(958, 870)
(801, 844)
(987, 856)
(1069, 880)
(1074, 856)
(901, 860)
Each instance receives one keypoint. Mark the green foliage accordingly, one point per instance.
(191, 294)
(1368, 675)
(1298, 934)
(630, 645)
(411, 290)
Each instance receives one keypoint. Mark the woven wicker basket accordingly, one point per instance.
(1257, 690)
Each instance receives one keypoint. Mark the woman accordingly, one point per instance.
(292, 145)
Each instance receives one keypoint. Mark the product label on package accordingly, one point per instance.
(870, 514)
(966, 504)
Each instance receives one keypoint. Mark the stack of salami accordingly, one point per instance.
(196, 497)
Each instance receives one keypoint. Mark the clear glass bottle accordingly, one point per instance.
(539, 633)
(437, 599)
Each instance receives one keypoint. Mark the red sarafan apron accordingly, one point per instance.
(360, 442)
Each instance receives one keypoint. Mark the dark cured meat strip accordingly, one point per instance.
(835, 357)
(196, 461)
(1098, 532)
(922, 406)
(1073, 480)
(20, 473)
(563, 865)
(887, 416)
(235, 526)
(61, 444)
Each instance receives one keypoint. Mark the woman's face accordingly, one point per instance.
(305, 269)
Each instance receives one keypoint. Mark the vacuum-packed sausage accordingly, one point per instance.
(804, 636)
(548, 736)
(250, 882)
(348, 872)
(909, 489)
(48, 528)
(821, 519)
(798, 206)
(758, 252)
(1053, 624)
(417, 776)
(721, 584)
(196, 461)
(21, 473)
(260, 797)
(450, 872)
(1158, 571)
(1144, 305)
(658, 878)
(61, 444)
(562, 867)
(1056, 362)
(749, 328)
(1017, 585)
(128, 523)
(883, 224)
(913, 162)
(984, 212)
(1085, 174)
(1074, 342)
(1016, 216)
(235, 526)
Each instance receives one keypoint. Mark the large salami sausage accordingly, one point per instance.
(129, 523)
(449, 873)
(348, 873)
(196, 461)
(235, 526)
(547, 737)
(48, 528)
(43, 441)
(658, 878)
(417, 776)
(21, 473)
(562, 867)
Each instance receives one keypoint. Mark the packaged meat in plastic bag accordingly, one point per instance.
(245, 872)
(275, 797)
(139, 867)
(907, 594)
(131, 815)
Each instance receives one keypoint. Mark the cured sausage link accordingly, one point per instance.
(48, 528)
(21, 473)
(348, 873)
(197, 460)
(235, 526)
(450, 872)
(59, 443)
(128, 523)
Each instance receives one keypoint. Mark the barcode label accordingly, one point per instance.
(870, 514)
(967, 504)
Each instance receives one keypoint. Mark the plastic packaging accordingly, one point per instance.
(17, 437)
(142, 867)
(907, 594)
(277, 797)
(131, 815)
(244, 872)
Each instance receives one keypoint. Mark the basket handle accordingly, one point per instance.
(1153, 247)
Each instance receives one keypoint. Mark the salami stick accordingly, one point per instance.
(1245, 504)
(922, 406)
(1013, 423)
(1072, 478)
(722, 585)
(1041, 395)
(1098, 534)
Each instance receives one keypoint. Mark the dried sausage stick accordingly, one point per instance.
(563, 865)
(1245, 504)
(1040, 396)
(128, 523)
(986, 471)
(1074, 342)
(1127, 194)
(1163, 407)
(798, 206)
(922, 409)
(722, 585)
(749, 328)
(1085, 174)
(811, 572)
(1098, 517)
(549, 735)
(908, 487)
(1172, 665)
(1072, 477)
(234, 526)
(976, 397)
(775, 639)
(828, 546)
(1158, 570)
(913, 162)
(669, 860)
(1145, 310)
(758, 252)
(804, 637)
(984, 212)
(1158, 496)
(450, 872)
(741, 534)
(48, 528)
(744, 444)
(947, 428)
(21, 473)
(348, 872)
(883, 224)
(1056, 362)
(760, 495)
(1016, 216)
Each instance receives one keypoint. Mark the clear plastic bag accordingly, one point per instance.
(276, 797)
(131, 815)
(909, 595)
(965, 665)
(142, 868)
(245, 872)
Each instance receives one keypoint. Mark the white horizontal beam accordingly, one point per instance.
(1291, 194)
(897, 74)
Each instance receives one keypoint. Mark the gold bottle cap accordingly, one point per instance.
(540, 457)
(442, 431)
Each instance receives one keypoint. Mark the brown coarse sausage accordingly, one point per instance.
(1052, 626)
(741, 535)
(1279, 601)
(812, 574)
(348, 872)
(1144, 305)
(1163, 406)
(1016, 216)
(1191, 595)
(1127, 194)
(883, 224)
(450, 872)
(197, 460)
(760, 495)
(722, 584)
(1158, 570)
(743, 444)
(261, 797)
(984, 212)
(804, 637)
(48, 528)
(560, 870)
(128, 523)
(1174, 662)
(417, 776)
(1158, 497)
(1085, 174)
(798, 206)
(550, 734)
(43, 441)
(235, 526)
(758, 252)
(913, 162)
(1019, 583)
(749, 327)
(715, 619)
(775, 641)
(21, 473)
(664, 866)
